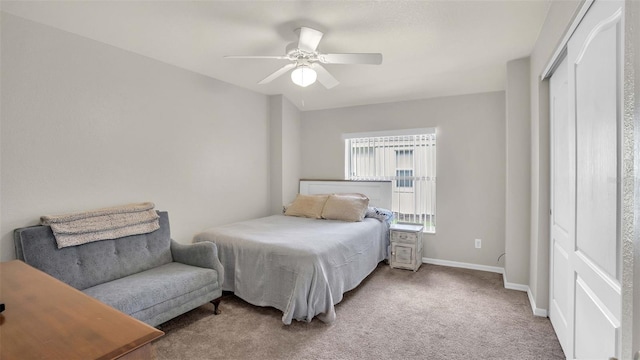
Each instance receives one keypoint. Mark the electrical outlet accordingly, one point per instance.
(478, 243)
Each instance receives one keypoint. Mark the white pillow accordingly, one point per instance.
(307, 206)
(345, 207)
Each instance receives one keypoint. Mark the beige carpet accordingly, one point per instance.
(436, 313)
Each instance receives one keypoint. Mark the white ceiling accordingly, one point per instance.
(430, 48)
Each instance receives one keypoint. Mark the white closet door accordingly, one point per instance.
(595, 60)
(585, 285)
(563, 207)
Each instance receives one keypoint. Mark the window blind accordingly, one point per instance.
(409, 161)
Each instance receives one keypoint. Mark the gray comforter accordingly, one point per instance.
(298, 265)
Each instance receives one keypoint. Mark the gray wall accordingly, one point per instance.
(470, 168)
(518, 173)
(284, 145)
(558, 19)
(87, 125)
(1, 116)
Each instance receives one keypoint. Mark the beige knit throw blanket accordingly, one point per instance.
(102, 224)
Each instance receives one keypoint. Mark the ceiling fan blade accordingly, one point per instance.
(256, 57)
(309, 39)
(363, 58)
(324, 77)
(277, 73)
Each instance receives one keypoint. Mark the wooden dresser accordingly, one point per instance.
(48, 319)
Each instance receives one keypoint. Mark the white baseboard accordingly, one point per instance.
(536, 311)
(457, 264)
(512, 286)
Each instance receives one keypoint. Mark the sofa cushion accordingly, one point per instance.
(167, 310)
(87, 265)
(149, 288)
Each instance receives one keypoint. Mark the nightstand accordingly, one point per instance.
(406, 246)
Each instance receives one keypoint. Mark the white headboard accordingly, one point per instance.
(378, 192)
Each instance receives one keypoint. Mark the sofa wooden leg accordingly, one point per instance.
(216, 305)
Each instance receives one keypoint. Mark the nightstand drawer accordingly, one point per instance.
(403, 255)
(404, 237)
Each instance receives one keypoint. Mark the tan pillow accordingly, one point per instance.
(345, 207)
(307, 206)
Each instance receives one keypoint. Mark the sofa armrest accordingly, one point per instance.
(203, 254)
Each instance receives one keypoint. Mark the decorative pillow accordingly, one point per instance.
(379, 213)
(345, 207)
(309, 206)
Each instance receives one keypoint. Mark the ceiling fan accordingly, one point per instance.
(306, 60)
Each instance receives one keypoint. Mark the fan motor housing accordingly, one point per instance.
(296, 53)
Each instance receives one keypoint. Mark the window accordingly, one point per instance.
(404, 178)
(408, 160)
(404, 168)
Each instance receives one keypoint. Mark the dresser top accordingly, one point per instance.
(48, 319)
(407, 227)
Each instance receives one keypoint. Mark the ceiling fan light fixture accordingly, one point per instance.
(306, 62)
(303, 76)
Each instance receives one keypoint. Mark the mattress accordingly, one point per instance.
(300, 266)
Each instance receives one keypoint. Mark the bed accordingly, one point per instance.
(303, 266)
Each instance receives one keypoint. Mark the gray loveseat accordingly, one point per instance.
(150, 276)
